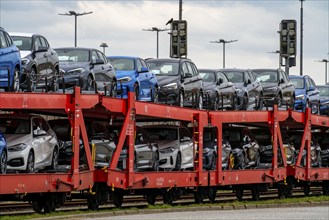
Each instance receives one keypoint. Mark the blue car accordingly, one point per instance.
(306, 93)
(3, 154)
(133, 75)
(10, 63)
(324, 99)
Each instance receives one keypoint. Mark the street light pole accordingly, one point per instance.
(157, 31)
(73, 13)
(103, 45)
(301, 37)
(223, 42)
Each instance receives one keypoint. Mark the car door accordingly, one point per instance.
(49, 58)
(286, 86)
(40, 57)
(186, 146)
(187, 83)
(143, 148)
(7, 54)
(256, 87)
(226, 88)
(143, 77)
(250, 87)
(313, 94)
(103, 70)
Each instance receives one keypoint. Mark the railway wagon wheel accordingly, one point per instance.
(168, 197)
(212, 194)
(198, 195)
(239, 194)
(117, 198)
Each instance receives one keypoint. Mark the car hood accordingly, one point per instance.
(165, 80)
(266, 85)
(13, 139)
(166, 143)
(123, 73)
(299, 91)
(73, 65)
(24, 53)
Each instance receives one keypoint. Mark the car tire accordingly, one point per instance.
(178, 164)
(136, 91)
(155, 95)
(30, 163)
(3, 162)
(16, 80)
(54, 82)
(181, 99)
(54, 160)
(32, 81)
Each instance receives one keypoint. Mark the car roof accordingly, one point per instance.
(22, 34)
(298, 77)
(234, 70)
(76, 48)
(324, 86)
(265, 69)
(126, 57)
(176, 60)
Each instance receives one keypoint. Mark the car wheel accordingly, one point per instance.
(260, 103)
(33, 81)
(245, 102)
(3, 162)
(200, 103)
(155, 97)
(54, 83)
(181, 99)
(178, 163)
(113, 89)
(15, 84)
(54, 161)
(30, 163)
(136, 91)
(216, 102)
(89, 83)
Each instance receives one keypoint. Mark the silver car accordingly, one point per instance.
(175, 146)
(31, 143)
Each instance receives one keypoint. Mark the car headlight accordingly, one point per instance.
(25, 61)
(125, 79)
(167, 150)
(18, 147)
(170, 86)
(76, 71)
(300, 97)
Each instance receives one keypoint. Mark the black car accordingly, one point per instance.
(40, 68)
(98, 135)
(277, 88)
(86, 67)
(219, 92)
(248, 87)
(179, 81)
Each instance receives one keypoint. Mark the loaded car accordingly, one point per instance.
(146, 151)
(40, 68)
(133, 75)
(3, 154)
(87, 68)
(248, 87)
(306, 93)
(219, 92)
(98, 135)
(324, 99)
(179, 81)
(175, 146)
(277, 88)
(31, 143)
(10, 63)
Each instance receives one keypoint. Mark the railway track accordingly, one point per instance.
(25, 208)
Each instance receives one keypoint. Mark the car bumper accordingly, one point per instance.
(17, 160)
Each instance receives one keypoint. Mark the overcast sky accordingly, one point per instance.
(119, 24)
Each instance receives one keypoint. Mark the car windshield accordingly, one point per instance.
(298, 83)
(207, 77)
(122, 63)
(235, 77)
(162, 133)
(22, 43)
(324, 91)
(14, 126)
(73, 55)
(267, 76)
(164, 68)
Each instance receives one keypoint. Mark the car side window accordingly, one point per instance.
(94, 56)
(37, 43)
(44, 125)
(184, 134)
(139, 138)
(100, 56)
(251, 76)
(184, 69)
(43, 42)
(312, 83)
(308, 84)
(190, 69)
(246, 77)
(144, 63)
(3, 42)
(139, 65)
(221, 76)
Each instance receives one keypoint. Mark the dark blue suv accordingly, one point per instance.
(10, 63)
(306, 93)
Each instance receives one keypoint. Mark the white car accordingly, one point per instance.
(31, 143)
(175, 146)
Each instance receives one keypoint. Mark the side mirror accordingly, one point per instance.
(185, 139)
(98, 61)
(220, 81)
(247, 82)
(281, 80)
(311, 88)
(39, 132)
(144, 69)
(41, 49)
(188, 75)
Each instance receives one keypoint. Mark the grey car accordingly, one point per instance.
(277, 88)
(40, 67)
(248, 87)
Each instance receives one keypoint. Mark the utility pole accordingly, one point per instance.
(180, 9)
(73, 13)
(157, 31)
(223, 42)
